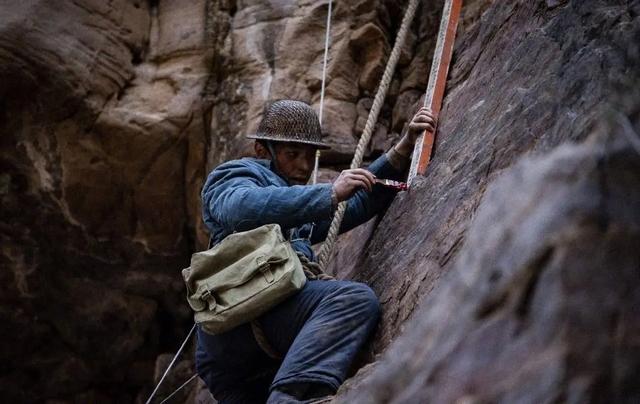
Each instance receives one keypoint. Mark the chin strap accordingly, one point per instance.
(274, 162)
(272, 152)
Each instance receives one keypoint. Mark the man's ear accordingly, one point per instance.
(261, 151)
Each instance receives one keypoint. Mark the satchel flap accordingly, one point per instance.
(234, 248)
(204, 297)
(234, 262)
(242, 271)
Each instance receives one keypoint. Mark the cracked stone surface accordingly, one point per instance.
(542, 302)
(102, 159)
(508, 95)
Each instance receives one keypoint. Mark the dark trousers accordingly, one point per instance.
(318, 331)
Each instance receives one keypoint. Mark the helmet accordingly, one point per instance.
(290, 121)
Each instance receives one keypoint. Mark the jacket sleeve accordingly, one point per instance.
(237, 201)
(363, 205)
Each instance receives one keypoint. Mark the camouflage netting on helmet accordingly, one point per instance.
(290, 121)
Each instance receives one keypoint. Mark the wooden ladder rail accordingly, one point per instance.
(437, 84)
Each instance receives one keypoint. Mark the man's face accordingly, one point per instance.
(295, 161)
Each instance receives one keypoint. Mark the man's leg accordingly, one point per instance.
(233, 367)
(320, 329)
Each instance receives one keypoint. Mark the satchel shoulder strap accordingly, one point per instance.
(288, 237)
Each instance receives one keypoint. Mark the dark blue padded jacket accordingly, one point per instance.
(243, 194)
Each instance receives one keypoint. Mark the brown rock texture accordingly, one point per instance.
(526, 77)
(102, 159)
(542, 304)
(511, 317)
(112, 113)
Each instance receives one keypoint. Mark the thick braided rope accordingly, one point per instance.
(316, 165)
(327, 247)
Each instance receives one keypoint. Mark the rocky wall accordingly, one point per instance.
(103, 148)
(531, 296)
(541, 304)
(111, 114)
(525, 78)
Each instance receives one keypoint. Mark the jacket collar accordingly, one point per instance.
(270, 166)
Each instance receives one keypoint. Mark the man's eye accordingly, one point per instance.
(291, 155)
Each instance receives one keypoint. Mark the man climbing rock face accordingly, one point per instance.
(304, 346)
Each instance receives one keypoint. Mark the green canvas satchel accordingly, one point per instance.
(241, 278)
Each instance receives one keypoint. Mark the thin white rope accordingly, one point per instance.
(184, 343)
(316, 165)
(327, 247)
(179, 388)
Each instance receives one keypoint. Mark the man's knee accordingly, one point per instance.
(364, 299)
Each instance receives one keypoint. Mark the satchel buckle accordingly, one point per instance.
(265, 268)
(208, 297)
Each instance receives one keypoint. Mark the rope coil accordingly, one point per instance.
(327, 247)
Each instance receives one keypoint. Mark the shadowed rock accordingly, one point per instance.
(542, 304)
(111, 113)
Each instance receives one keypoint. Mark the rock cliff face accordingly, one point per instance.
(541, 304)
(111, 114)
(103, 154)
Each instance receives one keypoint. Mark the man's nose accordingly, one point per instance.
(305, 164)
